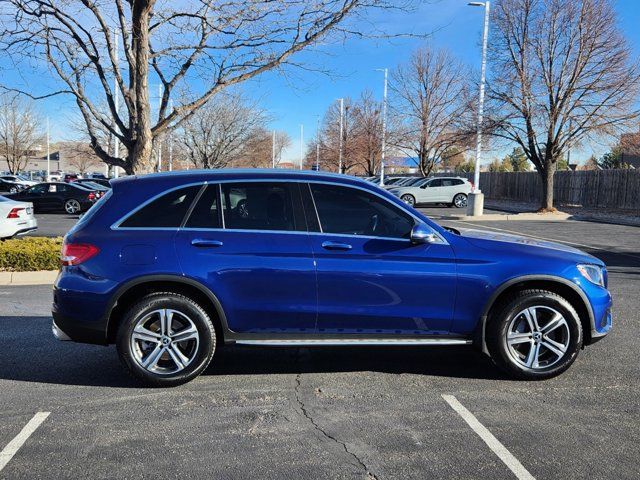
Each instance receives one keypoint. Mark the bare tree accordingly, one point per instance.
(20, 135)
(367, 144)
(561, 74)
(216, 134)
(430, 95)
(282, 142)
(330, 139)
(257, 150)
(81, 156)
(200, 47)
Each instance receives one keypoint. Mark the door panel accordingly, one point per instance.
(264, 277)
(375, 281)
(383, 286)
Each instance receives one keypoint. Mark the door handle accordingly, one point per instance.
(336, 246)
(199, 242)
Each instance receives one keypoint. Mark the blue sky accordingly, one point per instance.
(301, 95)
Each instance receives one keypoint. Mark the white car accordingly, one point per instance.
(19, 179)
(449, 190)
(16, 218)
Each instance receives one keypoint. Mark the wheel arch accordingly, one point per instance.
(134, 289)
(559, 285)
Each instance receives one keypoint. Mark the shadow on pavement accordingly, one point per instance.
(30, 353)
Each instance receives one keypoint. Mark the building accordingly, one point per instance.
(73, 157)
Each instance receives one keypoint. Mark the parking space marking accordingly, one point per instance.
(492, 442)
(545, 238)
(14, 445)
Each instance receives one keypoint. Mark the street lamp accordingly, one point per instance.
(341, 100)
(476, 197)
(384, 123)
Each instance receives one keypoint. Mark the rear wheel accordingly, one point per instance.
(408, 199)
(534, 335)
(72, 206)
(460, 200)
(165, 340)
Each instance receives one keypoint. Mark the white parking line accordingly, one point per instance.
(14, 445)
(492, 442)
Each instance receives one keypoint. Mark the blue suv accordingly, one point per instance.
(170, 267)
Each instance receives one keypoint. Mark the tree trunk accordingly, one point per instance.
(143, 144)
(546, 202)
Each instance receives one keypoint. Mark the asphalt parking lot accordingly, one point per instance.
(330, 413)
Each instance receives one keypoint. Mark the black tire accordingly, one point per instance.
(506, 314)
(409, 199)
(459, 201)
(201, 356)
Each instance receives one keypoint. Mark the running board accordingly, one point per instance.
(334, 342)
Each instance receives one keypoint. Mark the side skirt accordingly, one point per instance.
(334, 342)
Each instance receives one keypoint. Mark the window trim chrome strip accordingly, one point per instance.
(116, 225)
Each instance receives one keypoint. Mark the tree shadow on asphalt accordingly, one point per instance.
(30, 353)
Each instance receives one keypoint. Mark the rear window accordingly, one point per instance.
(166, 211)
(84, 219)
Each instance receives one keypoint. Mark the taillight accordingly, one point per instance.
(14, 212)
(473, 187)
(92, 196)
(77, 253)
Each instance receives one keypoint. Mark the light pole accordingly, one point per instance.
(318, 144)
(341, 100)
(301, 145)
(384, 124)
(48, 179)
(476, 197)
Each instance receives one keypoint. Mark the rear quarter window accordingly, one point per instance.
(166, 211)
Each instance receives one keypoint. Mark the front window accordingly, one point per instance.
(350, 211)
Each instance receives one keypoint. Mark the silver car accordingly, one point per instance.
(449, 190)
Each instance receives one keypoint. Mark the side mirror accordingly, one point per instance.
(421, 234)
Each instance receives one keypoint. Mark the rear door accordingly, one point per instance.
(248, 243)
(371, 279)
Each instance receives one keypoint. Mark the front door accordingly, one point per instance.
(247, 242)
(371, 279)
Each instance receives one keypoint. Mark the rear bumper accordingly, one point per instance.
(68, 329)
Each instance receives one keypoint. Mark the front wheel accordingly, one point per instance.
(408, 199)
(72, 206)
(460, 200)
(166, 339)
(534, 335)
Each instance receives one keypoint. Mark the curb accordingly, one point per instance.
(41, 277)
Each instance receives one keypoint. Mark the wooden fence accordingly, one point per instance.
(610, 189)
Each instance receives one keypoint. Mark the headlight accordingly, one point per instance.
(593, 273)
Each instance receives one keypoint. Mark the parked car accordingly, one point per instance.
(70, 177)
(93, 182)
(170, 266)
(97, 175)
(16, 218)
(18, 179)
(8, 186)
(67, 197)
(449, 190)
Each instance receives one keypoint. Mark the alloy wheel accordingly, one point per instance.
(408, 199)
(164, 341)
(72, 206)
(460, 201)
(538, 337)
